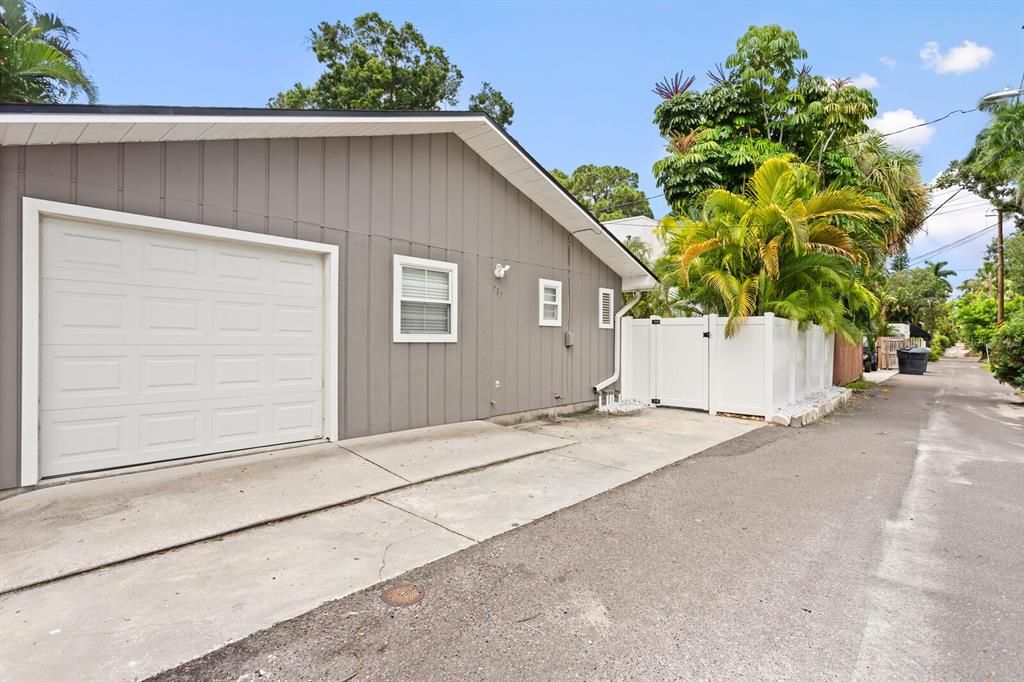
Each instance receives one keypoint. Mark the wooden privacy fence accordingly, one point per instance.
(848, 364)
(886, 347)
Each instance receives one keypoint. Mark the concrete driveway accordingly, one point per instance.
(122, 577)
(883, 542)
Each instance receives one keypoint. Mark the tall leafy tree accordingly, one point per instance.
(916, 296)
(373, 64)
(493, 103)
(38, 60)
(900, 261)
(784, 246)
(609, 192)
(994, 167)
(762, 103)
(984, 279)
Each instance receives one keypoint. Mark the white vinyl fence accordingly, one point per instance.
(688, 362)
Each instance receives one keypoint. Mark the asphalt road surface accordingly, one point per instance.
(886, 542)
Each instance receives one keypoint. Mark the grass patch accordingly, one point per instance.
(861, 385)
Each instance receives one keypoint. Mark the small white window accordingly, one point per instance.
(605, 308)
(426, 303)
(550, 303)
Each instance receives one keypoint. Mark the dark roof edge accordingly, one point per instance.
(156, 110)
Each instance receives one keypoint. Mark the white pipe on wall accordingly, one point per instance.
(618, 344)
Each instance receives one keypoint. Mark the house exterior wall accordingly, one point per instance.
(428, 196)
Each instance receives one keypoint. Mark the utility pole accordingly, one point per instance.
(999, 267)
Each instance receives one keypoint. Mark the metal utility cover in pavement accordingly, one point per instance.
(402, 595)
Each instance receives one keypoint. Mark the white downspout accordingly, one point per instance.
(618, 343)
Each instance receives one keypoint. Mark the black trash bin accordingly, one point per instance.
(913, 360)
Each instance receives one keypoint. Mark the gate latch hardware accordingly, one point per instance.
(655, 401)
(655, 320)
(707, 335)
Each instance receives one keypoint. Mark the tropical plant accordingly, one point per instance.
(891, 175)
(1006, 356)
(609, 192)
(38, 63)
(784, 245)
(941, 272)
(916, 296)
(994, 168)
(975, 318)
(663, 299)
(762, 103)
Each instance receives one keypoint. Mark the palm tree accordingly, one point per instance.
(783, 246)
(893, 178)
(940, 270)
(37, 61)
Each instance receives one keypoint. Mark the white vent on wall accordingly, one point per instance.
(605, 308)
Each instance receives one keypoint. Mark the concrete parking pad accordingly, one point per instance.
(130, 621)
(63, 530)
(647, 440)
(611, 451)
(422, 454)
(484, 503)
(51, 532)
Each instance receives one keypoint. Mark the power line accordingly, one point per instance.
(952, 245)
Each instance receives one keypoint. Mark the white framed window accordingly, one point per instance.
(425, 306)
(605, 308)
(550, 309)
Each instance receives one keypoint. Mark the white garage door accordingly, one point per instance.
(156, 346)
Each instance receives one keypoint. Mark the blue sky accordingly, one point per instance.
(580, 74)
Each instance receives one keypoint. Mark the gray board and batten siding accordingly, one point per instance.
(424, 195)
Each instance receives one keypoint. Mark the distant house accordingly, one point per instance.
(177, 282)
(639, 227)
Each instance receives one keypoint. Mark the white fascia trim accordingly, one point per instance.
(557, 286)
(397, 336)
(33, 210)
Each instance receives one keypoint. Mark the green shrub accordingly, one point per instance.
(1006, 354)
(939, 344)
(975, 318)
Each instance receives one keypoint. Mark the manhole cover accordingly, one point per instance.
(402, 595)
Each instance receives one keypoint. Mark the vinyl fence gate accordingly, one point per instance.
(667, 361)
(688, 362)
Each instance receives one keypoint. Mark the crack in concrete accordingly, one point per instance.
(430, 521)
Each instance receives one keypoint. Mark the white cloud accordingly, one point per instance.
(865, 80)
(900, 119)
(887, 61)
(961, 59)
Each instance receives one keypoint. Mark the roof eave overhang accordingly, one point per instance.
(22, 125)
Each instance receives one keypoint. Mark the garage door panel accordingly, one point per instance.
(104, 313)
(79, 376)
(82, 251)
(111, 254)
(159, 346)
(93, 438)
(74, 377)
